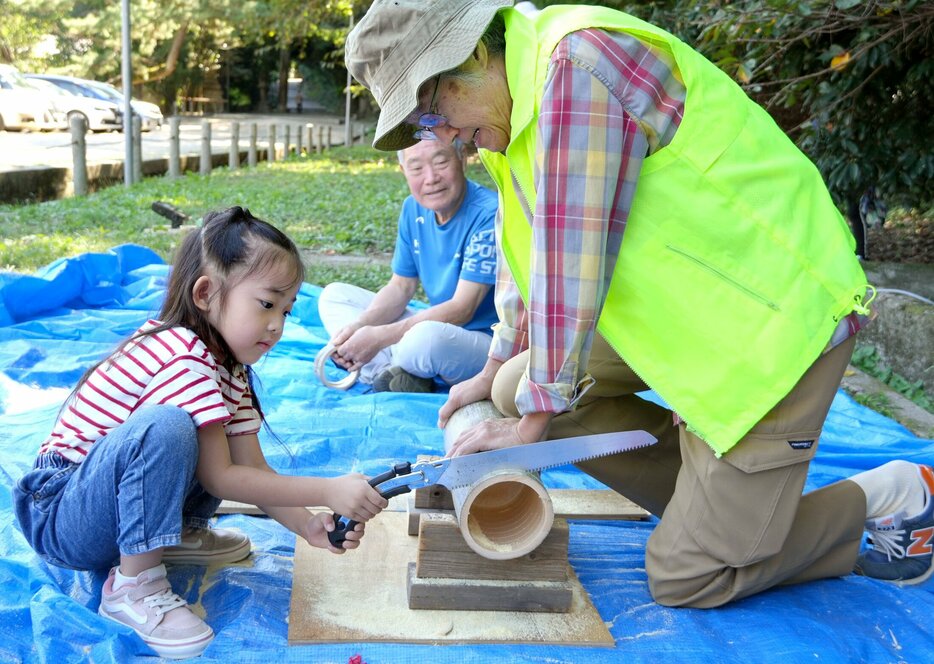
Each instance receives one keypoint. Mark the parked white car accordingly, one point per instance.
(22, 106)
(99, 115)
(150, 114)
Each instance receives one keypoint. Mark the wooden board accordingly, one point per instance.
(488, 595)
(443, 554)
(360, 596)
(433, 498)
(594, 504)
(590, 504)
(234, 507)
(396, 504)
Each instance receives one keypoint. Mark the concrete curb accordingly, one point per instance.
(52, 183)
(904, 411)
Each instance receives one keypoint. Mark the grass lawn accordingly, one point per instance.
(345, 201)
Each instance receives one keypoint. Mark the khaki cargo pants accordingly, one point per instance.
(729, 527)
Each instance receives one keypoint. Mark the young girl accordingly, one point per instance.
(157, 434)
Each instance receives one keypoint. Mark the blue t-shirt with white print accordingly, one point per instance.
(463, 248)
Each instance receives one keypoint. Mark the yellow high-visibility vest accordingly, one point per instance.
(735, 265)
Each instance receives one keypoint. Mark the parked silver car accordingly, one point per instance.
(150, 114)
(23, 107)
(98, 114)
(104, 92)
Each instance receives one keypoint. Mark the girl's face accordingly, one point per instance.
(251, 322)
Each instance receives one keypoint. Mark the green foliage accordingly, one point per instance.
(319, 86)
(343, 201)
(851, 81)
(23, 29)
(867, 359)
(88, 36)
(476, 172)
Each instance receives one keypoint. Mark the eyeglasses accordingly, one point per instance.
(428, 121)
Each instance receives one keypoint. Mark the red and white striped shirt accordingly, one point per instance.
(171, 367)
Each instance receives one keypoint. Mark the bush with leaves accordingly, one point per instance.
(851, 81)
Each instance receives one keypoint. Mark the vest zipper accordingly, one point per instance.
(725, 277)
(523, 198)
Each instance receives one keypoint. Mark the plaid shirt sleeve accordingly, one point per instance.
(606, 104)
(510, 334)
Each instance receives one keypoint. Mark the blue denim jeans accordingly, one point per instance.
(132, 494)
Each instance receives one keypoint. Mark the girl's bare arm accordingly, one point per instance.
(254, 482)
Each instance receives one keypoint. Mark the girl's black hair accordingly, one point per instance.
(231, 244)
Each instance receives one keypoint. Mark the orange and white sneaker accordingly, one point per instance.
(160, 617)
(206, 546)
(902, 547)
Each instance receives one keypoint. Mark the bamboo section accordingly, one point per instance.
(506, 514)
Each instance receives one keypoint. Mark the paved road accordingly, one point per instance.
(20, 151)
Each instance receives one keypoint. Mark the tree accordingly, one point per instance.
(288, 25)
(851, 81)
(23, 29)
(176, 44)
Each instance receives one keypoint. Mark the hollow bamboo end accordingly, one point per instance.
(506, 515)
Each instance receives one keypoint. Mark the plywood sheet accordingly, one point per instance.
(360, 596)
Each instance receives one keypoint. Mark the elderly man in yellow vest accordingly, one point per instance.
(659, 232)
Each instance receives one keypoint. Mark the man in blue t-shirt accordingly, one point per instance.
(445, 242)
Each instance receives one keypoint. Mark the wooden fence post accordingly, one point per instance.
(298, 140)
(204, 166)
(286, 140)
(137, 149)
(319, 145)
(309, 137)
(271, 156)
(233, 155)
(79, 171)
(175, 166)
(328, 144)
(251, 154)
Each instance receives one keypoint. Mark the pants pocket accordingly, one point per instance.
(744, 503)
(35, 496)
(759, 452)
(42, 485)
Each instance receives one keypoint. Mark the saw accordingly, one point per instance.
(455, 472)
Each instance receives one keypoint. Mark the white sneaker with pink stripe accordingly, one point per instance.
(160, 617)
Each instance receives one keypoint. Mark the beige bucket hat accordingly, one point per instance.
(400, 44)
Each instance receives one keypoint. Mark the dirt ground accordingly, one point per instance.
(903, 238)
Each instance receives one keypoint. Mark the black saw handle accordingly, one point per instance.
(343, 524)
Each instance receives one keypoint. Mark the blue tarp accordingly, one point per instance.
(57, 322)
